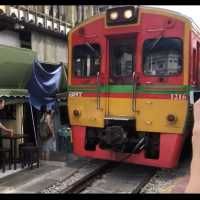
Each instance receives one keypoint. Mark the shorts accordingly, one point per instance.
(49, 145)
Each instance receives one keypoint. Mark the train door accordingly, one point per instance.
(120, 84)
(86, 105)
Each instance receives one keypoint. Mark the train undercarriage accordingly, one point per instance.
(121, 137)
(122, 143)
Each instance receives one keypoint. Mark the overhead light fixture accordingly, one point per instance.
(113, 15)
(128, 14)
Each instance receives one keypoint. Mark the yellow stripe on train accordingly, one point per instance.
(151, 114)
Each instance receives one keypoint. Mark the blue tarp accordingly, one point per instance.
(44, 85)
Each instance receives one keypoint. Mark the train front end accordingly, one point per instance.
(128, 86)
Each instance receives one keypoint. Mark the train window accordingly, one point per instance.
(121, 60)
(198, 62)
(162, 56)
(86, 60)
(194, 65)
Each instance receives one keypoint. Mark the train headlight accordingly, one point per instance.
(122, 15)
(171, 118)
(113, 15)
(128, 14)
(76, 113)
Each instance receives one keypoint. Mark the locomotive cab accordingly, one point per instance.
(129, 85)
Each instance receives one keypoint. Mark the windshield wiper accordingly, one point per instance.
(156, 42)
(93, 49)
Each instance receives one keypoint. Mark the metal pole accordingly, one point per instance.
(33, 122)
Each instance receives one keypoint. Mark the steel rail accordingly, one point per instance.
(84, 182)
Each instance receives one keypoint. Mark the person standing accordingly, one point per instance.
(46, 133)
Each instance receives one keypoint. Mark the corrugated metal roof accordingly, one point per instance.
(15, 93)
(15, 70)
(14, 96)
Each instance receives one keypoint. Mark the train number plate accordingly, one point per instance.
(75, 94)
(178, 97)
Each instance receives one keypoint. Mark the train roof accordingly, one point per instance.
(195, 27)
(181, 16)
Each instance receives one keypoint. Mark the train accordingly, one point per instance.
(133, 76)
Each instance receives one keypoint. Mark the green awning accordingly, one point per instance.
(15, 71)
(14, 93)
(14, 96)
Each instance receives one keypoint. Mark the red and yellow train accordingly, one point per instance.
(133, 74)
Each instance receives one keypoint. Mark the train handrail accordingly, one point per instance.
(98, 90)
(134, 92)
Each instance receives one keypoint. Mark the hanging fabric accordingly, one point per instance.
(44, 84)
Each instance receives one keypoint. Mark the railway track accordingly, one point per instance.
(87, 180)
(99, 176)
(125, 178)
(92, 168)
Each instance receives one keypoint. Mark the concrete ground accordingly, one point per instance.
(49, 172)
(169, 180)
(37, 179)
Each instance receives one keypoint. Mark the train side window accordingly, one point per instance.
(162, 56)
(198, 62)
(86, 60)
(194, 62)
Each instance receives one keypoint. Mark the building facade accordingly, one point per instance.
(42, 28)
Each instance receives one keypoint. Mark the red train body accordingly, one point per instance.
(132, 78)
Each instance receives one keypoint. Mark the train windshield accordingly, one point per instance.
(121, 60)
(162, 56)
(86, 60)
